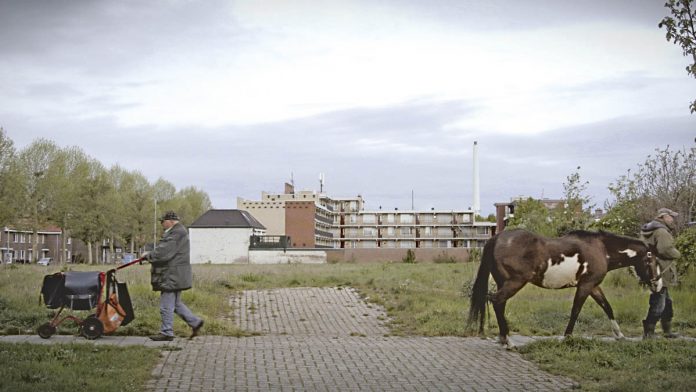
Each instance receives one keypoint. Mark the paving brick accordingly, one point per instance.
(328, 339)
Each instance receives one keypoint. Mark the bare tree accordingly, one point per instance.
(667, 179)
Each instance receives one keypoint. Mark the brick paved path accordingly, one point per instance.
(328, 339)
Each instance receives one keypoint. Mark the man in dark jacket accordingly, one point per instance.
(658, 234)
(171, 274)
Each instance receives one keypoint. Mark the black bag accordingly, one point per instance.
(82, 289)
(125, 300)
(53, 290)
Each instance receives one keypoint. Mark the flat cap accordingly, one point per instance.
(666, 211)
(169, 215)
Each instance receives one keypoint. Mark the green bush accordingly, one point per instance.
(410, 257)
(686, 244)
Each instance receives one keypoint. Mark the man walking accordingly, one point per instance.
(658, 234)
(171, 274)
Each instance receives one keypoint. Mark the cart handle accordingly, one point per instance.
(129, 264)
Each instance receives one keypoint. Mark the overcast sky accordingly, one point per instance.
(384, 97)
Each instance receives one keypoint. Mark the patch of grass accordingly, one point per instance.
(655, 365)
(74, 367)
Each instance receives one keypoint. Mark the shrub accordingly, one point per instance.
(410, 257)
(686, 244)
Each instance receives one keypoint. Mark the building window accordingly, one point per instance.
(368, 218)
(406, 218)
(406, 231)
(368, 244)
(444, 218)
(390, 218)
(444, 231)
(390, 231)
(369, 231)
(407, 244)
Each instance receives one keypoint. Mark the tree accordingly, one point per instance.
(667, 179)
(681, 31)
(68, 164)
(138, 198)
(575, 212)
(191, 203)
(10, 181)
(92, 220)
(531, 214)
(35, 162)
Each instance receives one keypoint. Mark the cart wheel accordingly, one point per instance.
(46, 330)
(92, 328)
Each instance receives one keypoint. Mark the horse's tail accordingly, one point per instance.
(479, 294)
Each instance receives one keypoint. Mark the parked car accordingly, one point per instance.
(45, 261)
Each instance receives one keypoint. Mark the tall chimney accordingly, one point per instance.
(477, 196)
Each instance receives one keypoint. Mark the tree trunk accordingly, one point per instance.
(63, 246)
(89, 252)
(35, 245)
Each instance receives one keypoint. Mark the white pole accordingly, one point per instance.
(477, 201)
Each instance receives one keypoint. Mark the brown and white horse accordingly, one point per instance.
(579, 259)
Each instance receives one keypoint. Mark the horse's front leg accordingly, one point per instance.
(598, 295)
(581, 294)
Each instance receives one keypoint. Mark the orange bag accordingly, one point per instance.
(111, 314)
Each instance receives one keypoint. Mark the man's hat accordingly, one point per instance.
(666, 211)
(169, 215)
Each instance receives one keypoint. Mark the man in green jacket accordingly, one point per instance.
(658, 234)
(171, 274)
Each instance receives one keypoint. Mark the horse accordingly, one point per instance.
(579, 259)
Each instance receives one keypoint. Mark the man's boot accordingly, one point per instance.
(648, 330)
(667, 329)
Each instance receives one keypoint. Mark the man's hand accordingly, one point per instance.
(144, 257)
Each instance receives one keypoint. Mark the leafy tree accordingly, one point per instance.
(622, 219)
(575, 212)
(138, 198)
(66, 190)
(35, 163)
(10, 181)
(531, 214)
(93, 219)
(681, 31)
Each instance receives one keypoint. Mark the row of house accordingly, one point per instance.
(17, 246)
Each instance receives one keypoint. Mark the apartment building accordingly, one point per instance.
(315, 220)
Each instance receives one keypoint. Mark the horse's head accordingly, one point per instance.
(648, 271)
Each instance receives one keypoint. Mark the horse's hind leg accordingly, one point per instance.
(499, 299)
(598, 295)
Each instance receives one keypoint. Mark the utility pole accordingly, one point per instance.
(154, 231)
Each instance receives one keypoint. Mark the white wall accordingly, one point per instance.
(219, 246)
(292, 256)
